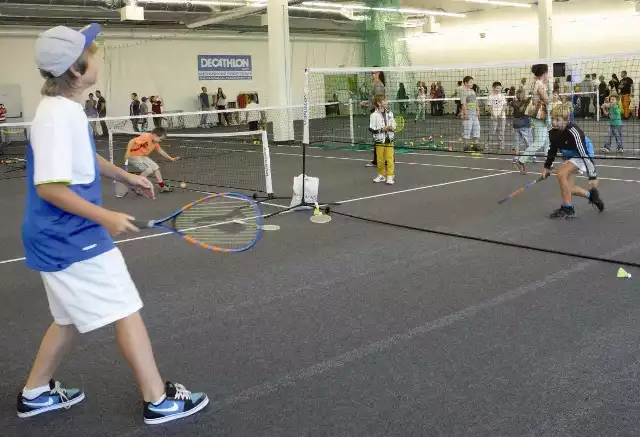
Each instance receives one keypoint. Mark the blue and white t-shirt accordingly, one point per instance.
(61, 150)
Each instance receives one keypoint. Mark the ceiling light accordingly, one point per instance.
(361, 7)
(196, 2)
(501, 3)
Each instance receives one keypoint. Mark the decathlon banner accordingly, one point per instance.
(224, 67)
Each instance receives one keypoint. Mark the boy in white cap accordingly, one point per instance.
(66, 237)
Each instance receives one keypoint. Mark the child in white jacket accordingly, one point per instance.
(382, 125)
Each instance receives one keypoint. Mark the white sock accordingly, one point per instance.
(160, 400)
(35, 392)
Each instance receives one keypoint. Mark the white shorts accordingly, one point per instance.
(142, 163)
(583, 165)
(93, 293)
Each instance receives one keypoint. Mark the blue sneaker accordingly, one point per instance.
(179, 403)
(52, 400)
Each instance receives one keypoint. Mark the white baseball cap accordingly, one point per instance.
(59, 47)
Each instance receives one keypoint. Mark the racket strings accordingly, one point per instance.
(221, 222)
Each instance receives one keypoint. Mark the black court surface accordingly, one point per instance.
(360, 329)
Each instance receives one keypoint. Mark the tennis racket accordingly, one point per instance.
(120, 188)
(399, 123)
(223, 222)
(521, 190)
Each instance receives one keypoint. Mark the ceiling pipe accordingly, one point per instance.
(21, 31)
(234, 14)
(114, 5)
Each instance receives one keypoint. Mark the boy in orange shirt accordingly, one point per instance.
(138, 151)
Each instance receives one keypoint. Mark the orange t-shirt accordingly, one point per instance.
(143, 145)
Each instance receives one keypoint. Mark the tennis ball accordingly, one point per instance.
(183, 185)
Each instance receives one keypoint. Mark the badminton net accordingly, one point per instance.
(225, 160)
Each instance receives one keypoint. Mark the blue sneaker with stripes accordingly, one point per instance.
(54, 399)
(178, 403)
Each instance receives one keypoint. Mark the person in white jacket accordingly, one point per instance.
(382, 125)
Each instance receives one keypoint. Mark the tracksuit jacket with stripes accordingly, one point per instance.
(571, 142)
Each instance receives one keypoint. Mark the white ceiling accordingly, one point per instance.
(174, 14)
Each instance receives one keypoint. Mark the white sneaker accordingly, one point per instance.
(379, 178)
(390, 180)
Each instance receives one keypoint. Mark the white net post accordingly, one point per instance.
(351, 130)
(305, 109)
(111, 148)
(598, 103)
(267, 164)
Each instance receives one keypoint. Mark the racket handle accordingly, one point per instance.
(142, 224)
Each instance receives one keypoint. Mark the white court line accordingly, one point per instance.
(443, 184)
(502, 172)
(450, 166)
(541, 158)
(342, 158)
(144, 237)
(159, 234)
(457, 155)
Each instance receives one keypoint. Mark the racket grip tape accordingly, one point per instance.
(142, 224)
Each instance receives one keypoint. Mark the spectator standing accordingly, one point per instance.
(134, 110)
(3, 119)
(470, 117)
(144, 110)
(156, 109)
(457, 94)
(614, 85)
(421, 113)
(403, 97)
(603, 92)
(612, 110)
(626, 92)
(205, 105)
(586, 88)
(221, 105)
(91, 109)
(440, 95)
(102, 112)
(595, 82)
(432, 97)
(511, 96)
(498, 105)
(523, 82)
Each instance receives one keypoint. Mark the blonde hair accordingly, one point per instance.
(66, 82)
(378, 98)
(563, 111)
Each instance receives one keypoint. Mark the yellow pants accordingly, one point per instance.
(626, 102)
(384, 154)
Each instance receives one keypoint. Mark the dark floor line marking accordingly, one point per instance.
(339, 361)
(491, 241)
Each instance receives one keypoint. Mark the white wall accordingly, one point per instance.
(168, 67)
(585, 27)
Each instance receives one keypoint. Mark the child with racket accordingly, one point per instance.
(138, 151)
(66, 235)
(577, 151)
(382, 125)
